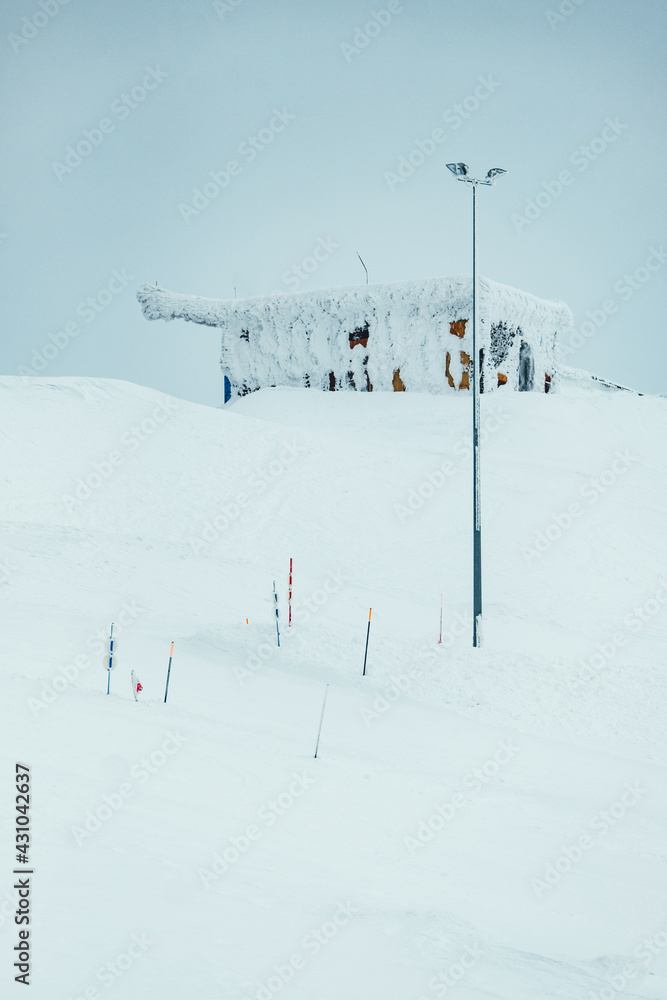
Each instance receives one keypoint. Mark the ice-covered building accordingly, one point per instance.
(413, 336)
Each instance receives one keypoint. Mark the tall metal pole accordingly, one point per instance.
(461, 172)
(476, 498)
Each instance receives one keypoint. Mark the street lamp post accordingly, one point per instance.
(460, 171)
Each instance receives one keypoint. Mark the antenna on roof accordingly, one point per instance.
(362, 264)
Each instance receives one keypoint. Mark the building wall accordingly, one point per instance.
(358, 338)
(508, 362)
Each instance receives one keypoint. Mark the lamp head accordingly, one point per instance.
(458, 169)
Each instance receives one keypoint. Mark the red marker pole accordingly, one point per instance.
(368, 632)
(440, 639)
(289, 595)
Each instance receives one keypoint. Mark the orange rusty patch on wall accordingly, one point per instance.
(397, 381)
(450, 378)
(465, 377)
(458, 328)
(359, 336)
(502, 379)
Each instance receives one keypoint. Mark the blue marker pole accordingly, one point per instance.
(166, 690)
(110, 659)
(275, 596)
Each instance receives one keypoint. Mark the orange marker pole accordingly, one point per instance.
(171, 653)
(368, 632)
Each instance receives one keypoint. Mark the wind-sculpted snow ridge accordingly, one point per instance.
(356, 337)
(582, 379)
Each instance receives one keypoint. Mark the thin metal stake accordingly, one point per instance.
(368, 632)
(171, 653)
(324, 703)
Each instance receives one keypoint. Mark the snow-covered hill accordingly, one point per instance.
(486, 823)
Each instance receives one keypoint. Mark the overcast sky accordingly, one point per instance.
(315, 105)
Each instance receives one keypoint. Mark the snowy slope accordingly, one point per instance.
(173, 520)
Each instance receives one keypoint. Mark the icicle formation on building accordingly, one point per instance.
(413, 335)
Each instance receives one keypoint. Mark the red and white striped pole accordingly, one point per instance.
(440, 639)
(289, 595)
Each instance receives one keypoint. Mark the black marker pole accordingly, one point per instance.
(368, 632)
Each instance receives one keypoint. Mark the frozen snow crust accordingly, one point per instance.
(281, 340)
(488, 823)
